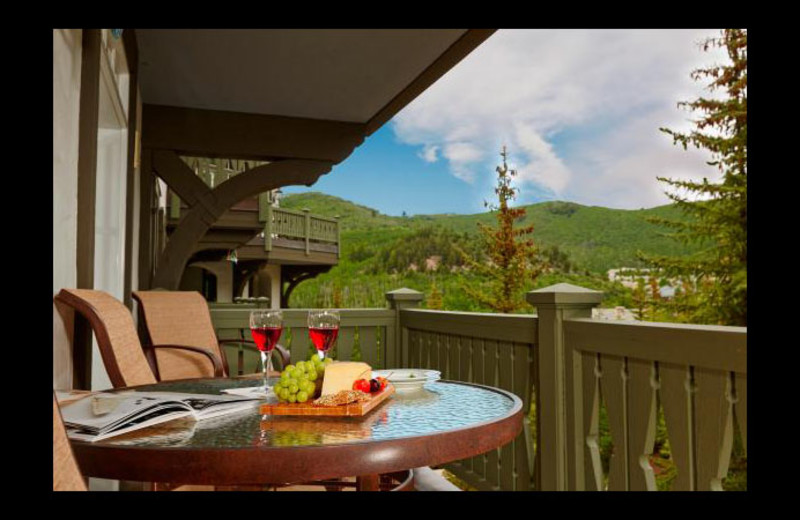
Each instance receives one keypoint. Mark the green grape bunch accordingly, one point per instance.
(302, 382)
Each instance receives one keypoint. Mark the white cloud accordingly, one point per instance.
(461, 156)
(578, 109)
(429, 153)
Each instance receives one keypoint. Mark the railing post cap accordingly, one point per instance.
(404, 294)
(564, 293)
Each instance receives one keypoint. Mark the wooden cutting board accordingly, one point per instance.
(348, 410)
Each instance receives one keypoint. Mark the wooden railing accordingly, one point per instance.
(288, 223)
(282, 223)
(573, 365)
(698, 374)
(489, 349)
(364, 334)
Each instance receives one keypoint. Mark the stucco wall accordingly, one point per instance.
(66, 105)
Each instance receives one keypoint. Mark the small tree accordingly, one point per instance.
(512, 258)
(435, 300)
(716, 276)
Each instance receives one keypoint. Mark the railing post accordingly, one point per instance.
(268, 228)
(558, 408)
(307, 228)
(263, 204)
(338, 236)
(400, 299)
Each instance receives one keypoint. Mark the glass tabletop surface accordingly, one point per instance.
(441, 406)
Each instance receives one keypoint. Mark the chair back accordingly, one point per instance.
(116, 335)
(179, 318)
(66, 474)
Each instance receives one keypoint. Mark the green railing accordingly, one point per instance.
(302, 225)
(364, 334)
(488, 349)
(284, 223)
(697, 374)
(565, 366)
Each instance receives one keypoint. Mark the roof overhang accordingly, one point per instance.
(285, 93)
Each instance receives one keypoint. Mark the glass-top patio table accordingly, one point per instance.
(446, 421)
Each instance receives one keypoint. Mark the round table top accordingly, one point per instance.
(444, 422)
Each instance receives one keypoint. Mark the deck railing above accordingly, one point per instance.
(302, 225)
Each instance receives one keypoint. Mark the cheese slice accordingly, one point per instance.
(341, 375)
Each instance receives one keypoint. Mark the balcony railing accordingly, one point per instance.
(298, 225)
(568, 366)
(316, 231)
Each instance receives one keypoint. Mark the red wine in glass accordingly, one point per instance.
(323, 328)
(266, 327)
(323, 338)
(266, 337)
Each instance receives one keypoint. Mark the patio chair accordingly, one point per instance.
(116, 335)
(66, 474)
(182, 317)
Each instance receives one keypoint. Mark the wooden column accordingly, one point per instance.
(400, 299)
(87, 183)
(134, 118)
(558, 410)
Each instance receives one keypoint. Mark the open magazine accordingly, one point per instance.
(105, 415)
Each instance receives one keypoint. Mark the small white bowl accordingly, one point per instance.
(405, 379)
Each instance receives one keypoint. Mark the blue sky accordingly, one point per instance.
(386, 174)
(578, 109)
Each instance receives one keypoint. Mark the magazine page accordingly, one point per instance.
(207, 405)
(103, 411)
(102, 414)
(143, 421)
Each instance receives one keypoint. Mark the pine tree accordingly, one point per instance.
(512, 257)
(716, 276)
(435, 301)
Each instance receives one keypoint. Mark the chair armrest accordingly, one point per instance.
(218, 371)
(284, 354)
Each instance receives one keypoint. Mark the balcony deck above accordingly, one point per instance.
(259, 231)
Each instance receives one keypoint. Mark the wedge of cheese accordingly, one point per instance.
(341, 375)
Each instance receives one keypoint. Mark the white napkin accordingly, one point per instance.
(250, 391)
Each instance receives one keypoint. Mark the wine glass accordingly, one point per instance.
(323, 328)
(266, 327)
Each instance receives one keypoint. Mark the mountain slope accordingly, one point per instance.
(596, 238)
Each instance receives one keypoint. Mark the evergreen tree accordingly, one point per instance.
(715, 279)
(512, 257)
(434, 301)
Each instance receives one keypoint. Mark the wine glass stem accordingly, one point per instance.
(266, 364)
(321, 354)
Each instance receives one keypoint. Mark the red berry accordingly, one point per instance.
(374, 385)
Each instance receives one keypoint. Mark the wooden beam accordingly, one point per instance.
(237, 135)
(145, 220)
(87, 184)
(201, 217)
(87, 156)
(180, 178)
(449, 58)
(132, 57)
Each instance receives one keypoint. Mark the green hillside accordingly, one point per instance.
(595, 238)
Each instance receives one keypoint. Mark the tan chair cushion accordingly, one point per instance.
(179, 318)
(116, 335)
